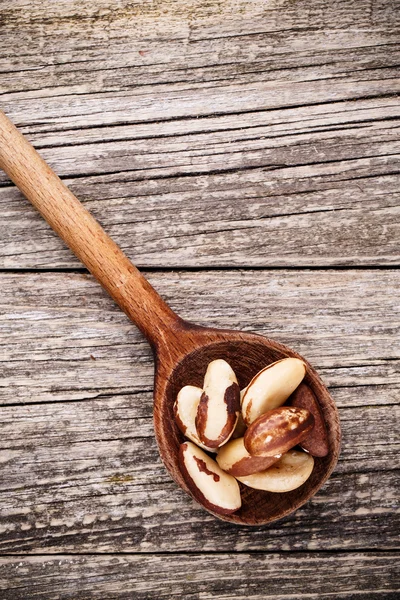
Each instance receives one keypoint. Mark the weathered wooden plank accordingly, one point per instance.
(188, 103)
(108, 511)
(217, 576)
(285, 122)
(345, 322)
(368, 417)
(226, 150)
(262, 208)
(108, 62)
(179, 100)
(336, 215)
(48, 28)
(297, 55)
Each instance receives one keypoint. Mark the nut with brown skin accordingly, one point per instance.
(242, 393)
(185, 410)
(316, 442)
(240, 428)
(219, 405)
(277, 431)
(271, 387)
(287, 474)
(240, 425)
(212, 487)
(234, 459)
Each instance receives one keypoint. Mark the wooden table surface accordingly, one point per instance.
(245, 155)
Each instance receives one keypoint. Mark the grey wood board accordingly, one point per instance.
(297, 55)
(272, 147)
(86, 477)
(109, 107)
(327, 198)
(214, 134)
(81, 468)
(226, 220)
(84, 30)
(344, 322)
(213, 576)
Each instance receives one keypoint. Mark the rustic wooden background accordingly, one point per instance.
(245, 154)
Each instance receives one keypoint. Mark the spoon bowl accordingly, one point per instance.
(182, 350)
(247, 354)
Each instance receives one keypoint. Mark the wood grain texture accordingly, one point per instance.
(227, 576)
(180, 348)
(217, 134)
(71, 486)
(233, 133)
(84, 235)
(90, 450)
(319, 228)
(346, 323)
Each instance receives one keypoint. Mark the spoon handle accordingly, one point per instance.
(84, 235)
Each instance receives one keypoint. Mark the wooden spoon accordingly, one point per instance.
(181, 349)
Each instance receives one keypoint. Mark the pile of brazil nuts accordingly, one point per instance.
(252, 434)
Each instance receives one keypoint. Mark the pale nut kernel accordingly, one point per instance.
(316, 442)
(219, 405)
(209, 485)
(271, 387)
(234, 459)
(185, 410)
(287, 474)
(277, 431)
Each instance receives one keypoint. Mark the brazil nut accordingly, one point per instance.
(219, 405)
(277, 431)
